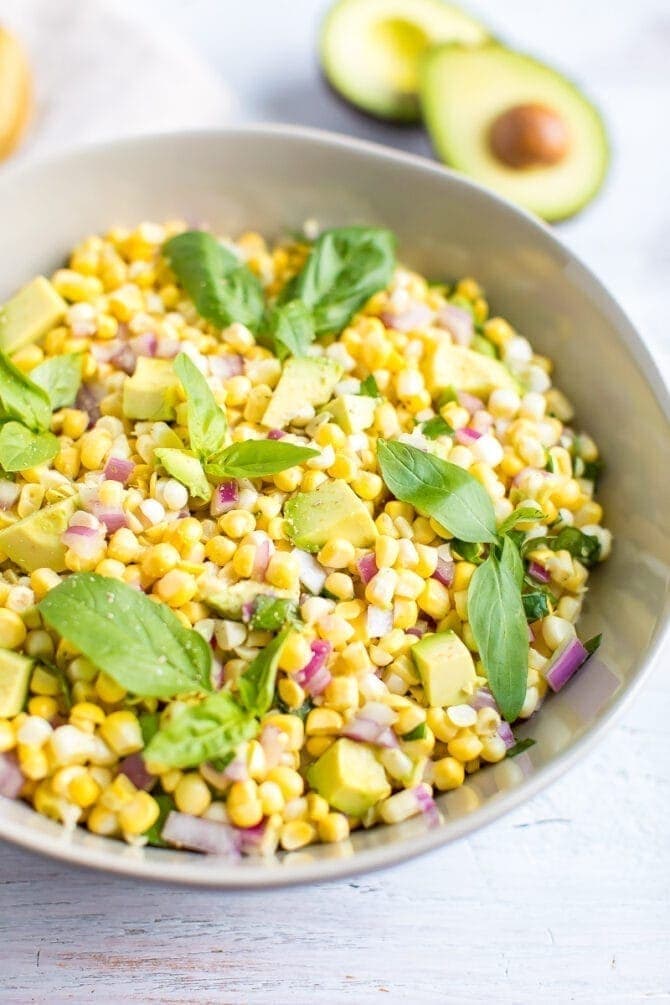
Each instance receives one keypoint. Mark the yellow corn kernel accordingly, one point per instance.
(461, 604)
(498, 331)
(288, 780)
(102, 821)
(237, 523)
(292, 726)
(33, 762)
(341, 693)
(118, 793)
(243, 805)
(43, 706)
(83, 790)
(440, 724)
(463, 572)
(448, 773)
(315, 746)
(295, 653)
(139, 814)
(405, 613)
(7, 736)
(108, 690)
(43, 580)
(345, 466)
(409, 718)
(333, 828)
(317, 807)
(12, 629)
(243, 560)
(335, 630)
(94, 446)
(290, 692)
(367, 486)
(434, 599)
(282, 571)
(386, 551)
(311, 480)
(271, 797)
(340, 585)
(170, 780)
(122, 732)
(323, 722)
(192, 794)
(465, 746)
(288, 480)
(296, 834)
(337, 554)
(159, 560)
(220, 550)
(75, 287)
(355, 657)
(176, 588)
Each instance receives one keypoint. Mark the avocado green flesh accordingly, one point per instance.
(332, 510)
(371, 50)
(15, 671)
(308, 381)
(152, 392)
(463, 92)
(446, 668)
(229, 601)
(30, 314)
(349, 777)
(466, 370)
(35, 542)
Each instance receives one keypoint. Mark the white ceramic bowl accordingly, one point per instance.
(273, 178)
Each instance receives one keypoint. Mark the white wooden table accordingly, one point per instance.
(566, 899)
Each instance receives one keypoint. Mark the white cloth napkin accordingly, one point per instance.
(101, 72)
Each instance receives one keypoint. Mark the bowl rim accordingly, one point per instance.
(256, 878)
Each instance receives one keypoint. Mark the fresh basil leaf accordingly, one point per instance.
(186, 469)
(165, 806)
(60, 377)
(271, 613)
(346, 266)
(21, 399)
(418, 733)
(511, 560)
(520, 746)
(291, 328)
(257, 683)
(256, 458)
(582, 546)
(149, 724)
(302, 712)
(523, 514)
(535, 605)
(21, 448)
(213, 728)
(369, 387)
(593, 644)
(469, 551)
(140, 644)
(438, 489)
(499, 627)
(437, 426)
(221, 287)
(590, 470)
(207, 424)
(63, 682)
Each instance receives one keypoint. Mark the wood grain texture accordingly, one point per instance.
(564, 900)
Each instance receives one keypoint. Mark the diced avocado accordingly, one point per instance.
(515, 125)
(466, 370)
(152, 392)
(331, 510)
(446, 667)
(187, 469)
(482, 345)
(15, 671)
(349, 777)
(35, 542)
(371, 50)
(352, 412)
(304, 381)
(229, 601)
(30, 314)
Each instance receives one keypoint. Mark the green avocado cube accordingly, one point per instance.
(15, 671)
(332, 510)
(35, 542)
(466, 370)
(304, 381)
(229, 601)
(152, 392)
(352, 412)
(446, 668)
(349, 777)
(30, 314)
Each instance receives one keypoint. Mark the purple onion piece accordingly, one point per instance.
(198, 834)
(564, 663)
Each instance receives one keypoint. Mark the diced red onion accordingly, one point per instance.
(379, 622)
(367, 567)
(250, 839)
(224, 498)
(167, 348)
(565, 662)
(11, 779)
(311, 677)
(83, 541)
(444, 572)
(261, 560)
(416, 316)
(470, 402)
(312, 574)
(271, 741)
(482, 421)
(458, 322)
(466, 436)
(419, 632)
(124, 359)
(518, 478)
(9, 493)
(88, 400)
(483, 699)
(134, 768)
(227, 366)
(103, 351)
(113, 519)
(427, 804)
(248, 608)
(505, 733)
(276, 434)
(119, 469)
(372, 724)
(199, 834)
(538, 572)
(318, 682)
(236, 770)
(145, 344)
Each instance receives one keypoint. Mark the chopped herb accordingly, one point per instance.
(369, 388)
(153, 835)
(437, 426)
(418, 733)
(520, 746)
(272, 613)
(302, 712)
(593, 644)
(469, 551)
(536, 605)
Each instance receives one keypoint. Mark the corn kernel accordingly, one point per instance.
(434, 599)
(12, 629)
(108, 690)
(192, 794)
(323, 722)
(295, 653)
(333, 828)
(288, 780)
(121, 730)
(296, 834)
(448, 773)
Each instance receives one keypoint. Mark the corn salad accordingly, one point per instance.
(353, 611)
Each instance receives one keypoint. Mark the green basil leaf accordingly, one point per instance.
(221, 287)
(186, 469)
(511, 560)
(256, 458)
(140, 644)
(213, 728)
(21, 399)
(291, 328)
(302, 712)
(535, 605)
(437, 426)
(468, 550)
(593, 644)
(438, 489)
(60, 377)
(21, 448)
(520, 746)
(257, 683)
(207, 423)
(582, 546)
(418, 733)
(271, 613)
(499, 627)
(523, 514)
(150, 723)
(590, 470)
(165, 806)
(369, 387)
(346, 266)
(63, 682)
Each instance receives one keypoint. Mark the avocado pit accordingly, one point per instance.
(529, 135)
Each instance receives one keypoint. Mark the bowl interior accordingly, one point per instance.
(272, 180)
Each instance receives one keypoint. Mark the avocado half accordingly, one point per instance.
(371, 50)
(465, 91)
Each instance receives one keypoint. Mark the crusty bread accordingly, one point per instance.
(15, 92)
